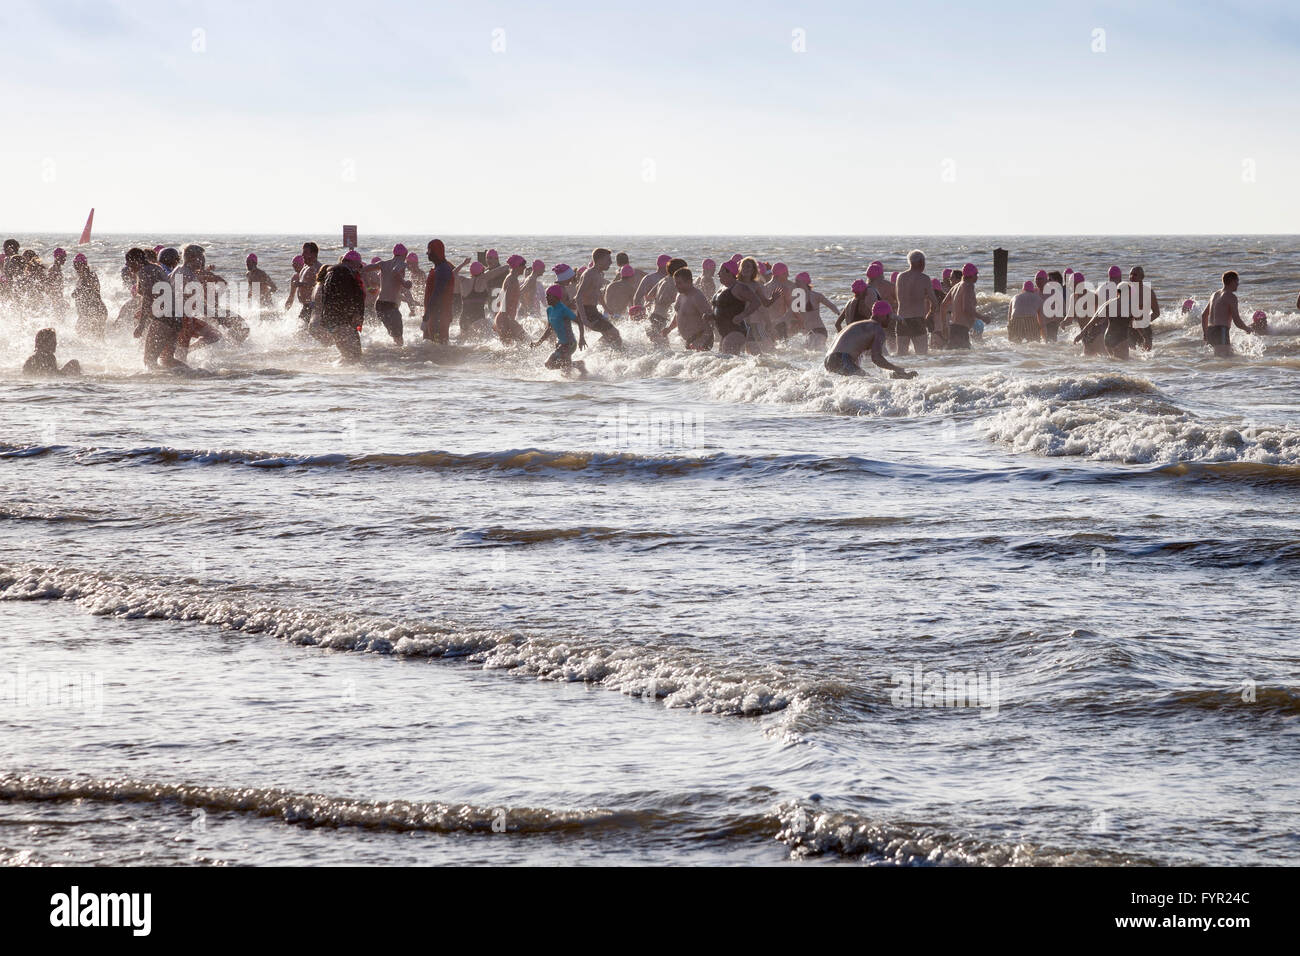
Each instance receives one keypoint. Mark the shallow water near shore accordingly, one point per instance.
(450, 607)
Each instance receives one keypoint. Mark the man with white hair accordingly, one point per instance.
(917, 305)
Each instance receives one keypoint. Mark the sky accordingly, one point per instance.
(835, 118)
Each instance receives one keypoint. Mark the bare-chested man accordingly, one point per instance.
(1145, 307)
(660, 300)
(618, 294)
(531, 299)
(391, 274)
(306, 285)
(590, 296)
(651, 280)
(961, 308)
(692, 313)
(859, 336)
(505, 304)
(1220, 314)
(916, 305)
(622, 261)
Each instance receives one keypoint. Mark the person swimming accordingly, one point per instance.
(864, 335)
(43, 361)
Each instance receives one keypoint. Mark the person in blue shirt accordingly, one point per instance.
(559, 322)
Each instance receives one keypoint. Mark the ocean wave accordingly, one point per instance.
(811, 831)
(304, 809)
(1150, 435)
(676, 676)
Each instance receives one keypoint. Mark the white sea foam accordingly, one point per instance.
(675, 676)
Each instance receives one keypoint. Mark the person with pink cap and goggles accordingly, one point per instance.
(393, 286)
(619, 293)
(532, 300)
(960, 305)
(1025, 314)
(806, 303)
(859, 307)
(651, 280)
(504, 321)
(261, 288)
(863, 334)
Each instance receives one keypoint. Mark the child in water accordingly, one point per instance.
(43, 361)
(559, 322)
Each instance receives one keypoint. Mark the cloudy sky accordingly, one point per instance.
(672, 117)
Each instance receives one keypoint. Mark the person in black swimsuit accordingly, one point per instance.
(726, 306)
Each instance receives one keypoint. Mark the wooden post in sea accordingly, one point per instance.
(999, 270)
(482, 256)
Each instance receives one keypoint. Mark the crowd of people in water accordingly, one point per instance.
(742, 305)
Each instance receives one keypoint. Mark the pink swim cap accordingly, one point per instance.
(251, 260)
(780, 269)
(881, 309)
(731, 268)
(1029, 286)
(1189, 304)
(556, 291)
(1040, 275)
(539, 265)
(969, 271)
(1068, 271)
(476, 268)
(375, 259)
(938, 286)
(664, 260)
(492, 253)
(859, 286)
(412, 258)
(352, 256)
(1259, 316)
(1078, 277)
(947, 273)
(158, 248)
(875, 270)
(59, 253)
(79, 257)
(803, 278)
(298, 262)
(710, 264)
(1115, 273)
(399, 251)
(627, 272)
(564, 273)
(515, 261)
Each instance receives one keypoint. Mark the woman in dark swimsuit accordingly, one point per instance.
(726, 307)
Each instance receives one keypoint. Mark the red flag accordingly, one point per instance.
(85, 233)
